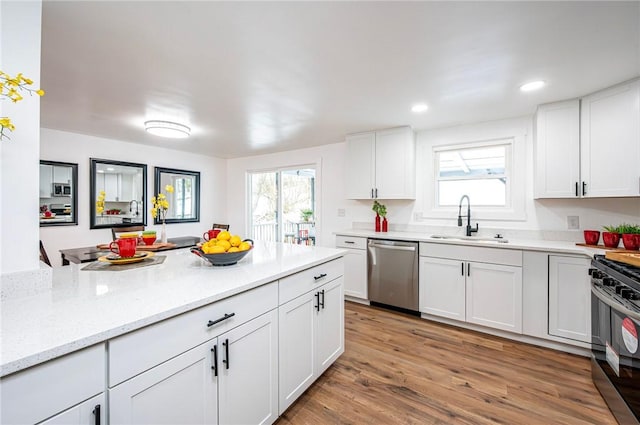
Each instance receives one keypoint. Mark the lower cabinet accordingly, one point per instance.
(477, 285)
(569, 298)
(91, 412)
(311, 338)
(355, 265)
(209, 384)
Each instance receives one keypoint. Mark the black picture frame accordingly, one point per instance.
(74, 195)
(158, 187)
(130, 218)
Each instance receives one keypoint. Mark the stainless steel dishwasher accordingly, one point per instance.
(393, 273)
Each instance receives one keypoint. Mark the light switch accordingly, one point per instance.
(341, 212)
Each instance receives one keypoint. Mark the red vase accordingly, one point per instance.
(377, 223)
(630, 241)
(385, 225)
(611, 239)
(591, 237)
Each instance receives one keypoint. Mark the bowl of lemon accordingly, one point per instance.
(224, 250)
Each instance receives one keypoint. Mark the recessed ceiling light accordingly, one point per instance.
(419, 107)
(167, 129)
(534, 85)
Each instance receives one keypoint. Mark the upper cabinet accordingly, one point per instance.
(589, 148)
(381, 164)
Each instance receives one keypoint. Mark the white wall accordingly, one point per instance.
(540, 216)
(20, 47)
(78, 148)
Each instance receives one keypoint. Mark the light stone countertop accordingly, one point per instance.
(80, 308)
(563, 247)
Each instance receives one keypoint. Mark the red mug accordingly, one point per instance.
(210, 234)
(126, 247)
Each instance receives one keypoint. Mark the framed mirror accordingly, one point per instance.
(118, 194)
(184, 202)
(58, 194)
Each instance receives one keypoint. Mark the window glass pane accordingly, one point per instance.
(472, 162)
(482, 192)
(264, 206)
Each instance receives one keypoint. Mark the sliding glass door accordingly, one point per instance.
(282, 204)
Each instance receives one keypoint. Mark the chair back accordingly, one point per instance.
(220, 226)
(43, 255)
(116, 230)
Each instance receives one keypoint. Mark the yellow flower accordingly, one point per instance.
(40, 92)
(161, 196)
(169, 188)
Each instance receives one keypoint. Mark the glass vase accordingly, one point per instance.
(163, 233)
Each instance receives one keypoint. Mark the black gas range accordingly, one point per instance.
(615, 324)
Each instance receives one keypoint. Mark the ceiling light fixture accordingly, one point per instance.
(167, 129)
(419, 107)
(534, 85)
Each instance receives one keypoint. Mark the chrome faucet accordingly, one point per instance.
(470, 229)
(131, 206)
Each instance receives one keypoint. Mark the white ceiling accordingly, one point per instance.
(258, 77)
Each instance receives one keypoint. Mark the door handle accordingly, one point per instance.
(393, 247)
(222, 319)
(226, 353)
(96, 413)
(320, 276)
(322, 302)
(462, 269)
(468, 269)
(317, 306)
(584, 188)
(577, 194)
(214, 366)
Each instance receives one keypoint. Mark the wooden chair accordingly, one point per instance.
(43, 255)
(116, 230)
(220, 226)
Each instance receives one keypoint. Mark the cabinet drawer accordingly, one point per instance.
(352, 242)
(508, 257)
(141, 350)
(295, 285)
(42, 391)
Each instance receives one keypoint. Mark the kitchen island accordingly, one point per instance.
(140, 321)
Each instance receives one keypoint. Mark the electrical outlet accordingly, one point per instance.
(573, 222)
(417, 216)
(341, 212)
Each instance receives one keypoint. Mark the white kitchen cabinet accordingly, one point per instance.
(311, 335)
(610, 132)
(557, 150)
(56, 390)
(126, 188)
(180, 390)
(355, 265)
(589, 148)
(90, 412)
(112, 187)
(381, 164)
(569, 298)
(473, 284)
(494, 296)
(248, 372)
(442, 287)
(46, 181)
(61, 174)
(208, 384)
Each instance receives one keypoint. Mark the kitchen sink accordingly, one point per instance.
(469, 238)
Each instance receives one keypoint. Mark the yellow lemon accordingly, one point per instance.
(244, 246)
(234, 249)
(235, 240)
(224, 236)
(224, 244)
(217, 249)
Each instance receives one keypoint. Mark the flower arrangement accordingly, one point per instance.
(10, 88)
(100, 202)
(380, 209)
(160, 204)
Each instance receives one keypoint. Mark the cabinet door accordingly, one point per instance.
(494, 296)
(111, 187)
(46, 181)
(557, 150)
(296, 347)
(61, 174)
(610, 141)
(442, 287)
(569, 298)
(395, 164)
(355, 273)
(248, 362)
(90, 412)
(360, 165)
(126, 188)
(182, 390)
(329, 325)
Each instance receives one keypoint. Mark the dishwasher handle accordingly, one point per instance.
(393, 247)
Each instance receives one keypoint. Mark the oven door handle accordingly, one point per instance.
(614, 305)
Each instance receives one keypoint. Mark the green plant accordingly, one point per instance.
(379, 209)
(306, 214)
(626, 228)
(612, 229)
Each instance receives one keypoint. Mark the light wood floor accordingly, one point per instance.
(398, 369)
